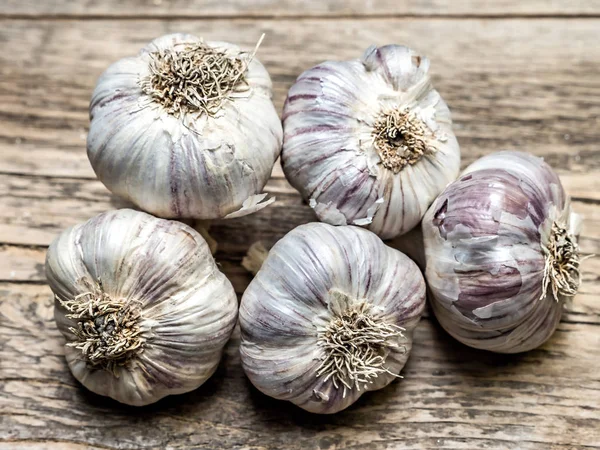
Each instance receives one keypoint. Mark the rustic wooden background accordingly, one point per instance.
(516, 74)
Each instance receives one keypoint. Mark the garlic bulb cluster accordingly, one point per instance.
(329, 316)
(502, 254)
(143, 307)
(369, 142)
(186, 129)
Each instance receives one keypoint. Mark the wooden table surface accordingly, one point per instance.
(516, 74)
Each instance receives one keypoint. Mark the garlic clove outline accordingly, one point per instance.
(329, 297)
(359, 131)
(489, 243)
(177, 158)
(143, 307)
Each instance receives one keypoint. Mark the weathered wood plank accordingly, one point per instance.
(547, 398)
(26, 266)
(33, 210)
(524, 84)
(512, 83)
(290, 8)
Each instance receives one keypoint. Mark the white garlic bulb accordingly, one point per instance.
(143, 307)
(369, 142)
(329, 316)
(186, 129)
(501, 253)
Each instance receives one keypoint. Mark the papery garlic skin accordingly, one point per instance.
(313, 276)
(330, 153)
(485, 238)
(187, 308)
(193, 166)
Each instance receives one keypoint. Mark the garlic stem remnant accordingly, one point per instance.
(400, 139)
(329, 316)
(255, 257)
(192, 78)
(356, 344)
(561, 272)
(108, 330)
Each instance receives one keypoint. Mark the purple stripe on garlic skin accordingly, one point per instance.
(190, 164)
(331, 118)
(485, 239)
(315, 272)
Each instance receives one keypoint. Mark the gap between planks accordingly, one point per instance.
(275, 17)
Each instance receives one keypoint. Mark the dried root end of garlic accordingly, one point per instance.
(355, 344)
(370, 129)
(108, 331)
(329, 316)
(561, 271)
(194, 78)
(502, 257)
(400, 139)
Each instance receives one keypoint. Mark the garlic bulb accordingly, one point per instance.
(186, 129)
(502, 254)
(329, 316)
(369, 142)
(143, 307)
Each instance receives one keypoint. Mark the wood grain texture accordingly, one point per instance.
(291, 8)
(520, 84)
(511, 82)
(451, 397)
(46, 206)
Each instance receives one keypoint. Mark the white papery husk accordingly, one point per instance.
(297, 292)
(484, 259)
(188, 308)
(193, 166)
(329, 153)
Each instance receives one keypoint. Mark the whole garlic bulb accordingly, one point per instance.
(185, 129)
(329, 316)
(143, 307)
(369, 142)
(502, 254)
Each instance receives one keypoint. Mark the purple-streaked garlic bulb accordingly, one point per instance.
(369, 142)
(502, 254)
(186, 129)
(329, 316)
(142, 304)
